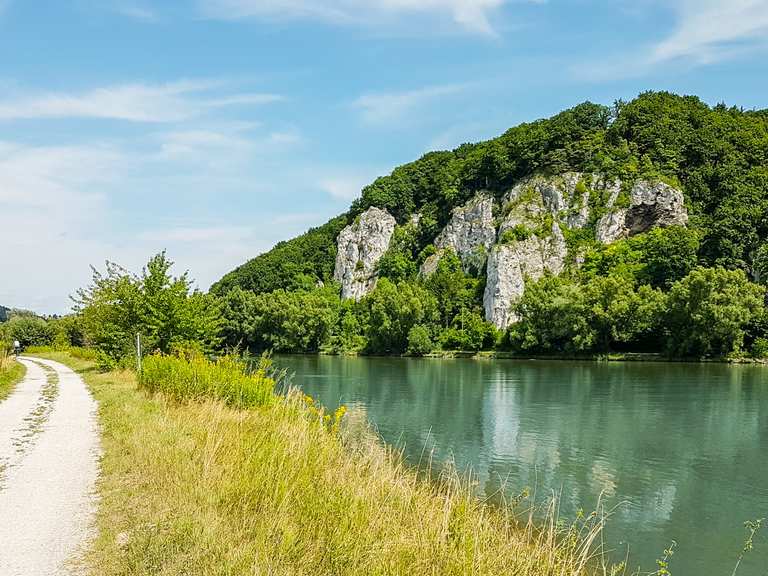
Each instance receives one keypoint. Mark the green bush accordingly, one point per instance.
(517, 233)
(760, 348)
(420, 341)
(710, 310)
(195, 378)
(29, 331)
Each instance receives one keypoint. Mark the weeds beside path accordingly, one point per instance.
(201, 488)
(11, 373)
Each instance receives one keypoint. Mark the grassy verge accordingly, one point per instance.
(11, 373)
(202, 488)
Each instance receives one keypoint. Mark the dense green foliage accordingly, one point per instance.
(29, 330)
(709, 311)
(289, 265)
(283, 321)
(719, 156)
(193, 377)
(163, 309)
(644, 293)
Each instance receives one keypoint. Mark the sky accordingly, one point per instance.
(215, 128)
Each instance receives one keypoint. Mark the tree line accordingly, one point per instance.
(685, 292)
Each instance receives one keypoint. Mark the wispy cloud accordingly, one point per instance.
(388, 107)
(709, 29)
(705, 32)
(471, 15)
(344, 187)
(171, 102)
(136, 12)
(64, 207)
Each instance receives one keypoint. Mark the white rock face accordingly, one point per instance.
(537, 201)
(360, 247)
(471, 232)
(651, 204)
(510, 265)
(612, 226)
(556, 195)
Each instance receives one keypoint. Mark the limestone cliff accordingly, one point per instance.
(538, 209)
(511, 264)
(533, 220)
(470, 234)
(651, 204)
(360, 247)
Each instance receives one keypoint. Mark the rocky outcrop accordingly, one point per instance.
(510, 265)
(650, 204)
(360, 247)
(538, 208)
(560, 196)
(470, 233)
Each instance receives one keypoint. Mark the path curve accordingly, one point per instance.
(50, 445)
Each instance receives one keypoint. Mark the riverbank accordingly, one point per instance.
(11, 373)
(201, 488)
(503, 355)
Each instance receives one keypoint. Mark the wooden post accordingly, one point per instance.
(138, 353)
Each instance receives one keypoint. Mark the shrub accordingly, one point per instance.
(760, 348)
(517, 233)
(195, 377)
(710, 310)
(419, 341)
(30, 331)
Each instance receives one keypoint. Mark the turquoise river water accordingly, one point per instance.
(679, 450)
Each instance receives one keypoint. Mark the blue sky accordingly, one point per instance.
(215, 128)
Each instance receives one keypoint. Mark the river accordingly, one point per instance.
(679, 450)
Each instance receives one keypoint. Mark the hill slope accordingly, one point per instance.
(645, 190)
(719, 155)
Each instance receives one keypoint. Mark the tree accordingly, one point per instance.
(393, 309)
(164, 309)
(668, 254)
(619, 313)
(709, 311)
(29, 330)
(553, 318)
(760, 266)
(300, 321)
(238, 313)
(606, 312)
(469, 332)
(420, 341)
(453, 289)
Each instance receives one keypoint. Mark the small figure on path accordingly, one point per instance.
(16, 347)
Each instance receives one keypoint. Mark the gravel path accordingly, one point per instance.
(49, 449)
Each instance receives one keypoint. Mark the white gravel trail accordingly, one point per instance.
(47, 489)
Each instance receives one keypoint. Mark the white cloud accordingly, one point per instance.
(202, 192)
(171, 102)
(344, 187)
(708, 29)
(52, 207)
(137, 12)
(471, 15)
(188, 234)
(705, 31)
(388, 107)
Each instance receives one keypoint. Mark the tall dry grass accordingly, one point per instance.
(203, 488)
(11, 372)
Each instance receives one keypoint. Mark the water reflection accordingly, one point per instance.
(680, 449)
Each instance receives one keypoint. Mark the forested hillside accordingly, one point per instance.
(696, 289)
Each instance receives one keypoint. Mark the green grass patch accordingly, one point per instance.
(202, 488)
(196, 378)
(11, 373)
